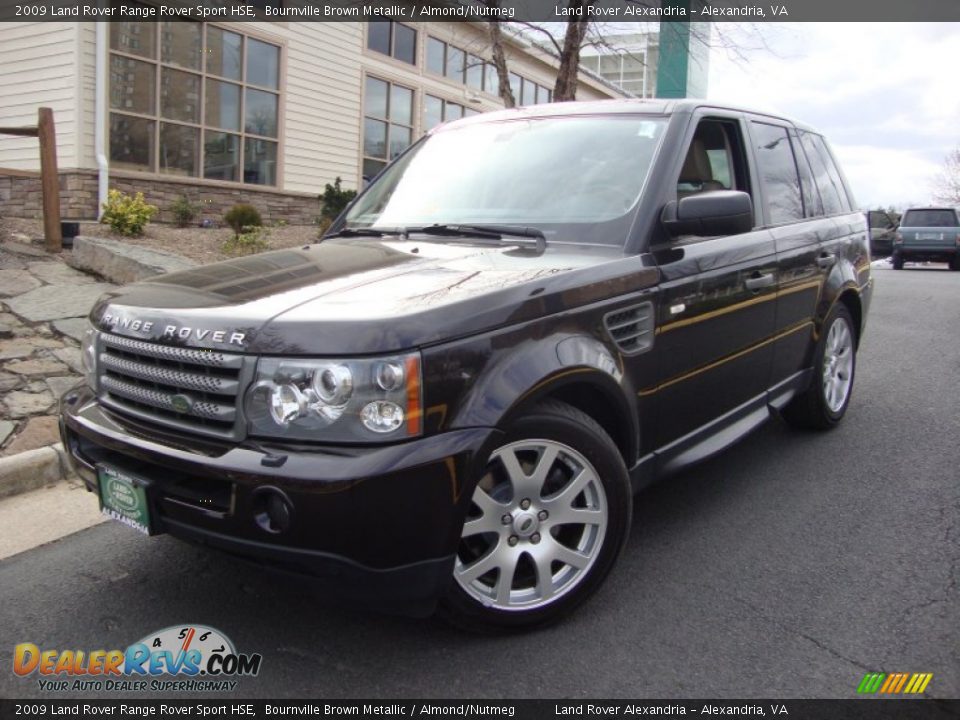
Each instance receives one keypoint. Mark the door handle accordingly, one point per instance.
(757, 281)
(826, 260)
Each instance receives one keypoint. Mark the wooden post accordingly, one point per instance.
(49, 180)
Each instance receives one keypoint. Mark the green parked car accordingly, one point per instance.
(928, 234)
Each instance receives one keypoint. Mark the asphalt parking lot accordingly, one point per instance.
(788, 567)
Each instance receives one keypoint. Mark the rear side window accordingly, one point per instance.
(811, 198)
(778, 173)
(930, 218)
(825, 174)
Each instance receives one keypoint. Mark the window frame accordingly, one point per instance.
(485, 66)
(752, 122)
(203, 127)
(465, 111)
(416, 110)
(821, 149)
(392, 42)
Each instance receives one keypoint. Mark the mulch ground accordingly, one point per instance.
(203, 245)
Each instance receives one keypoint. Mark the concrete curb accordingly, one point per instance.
(32, 469)
(121, 262)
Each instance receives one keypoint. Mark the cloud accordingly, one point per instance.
(881, 177)
(884, 94)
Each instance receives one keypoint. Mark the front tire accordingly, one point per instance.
(823, 405)
(548, 519)
(955, 261)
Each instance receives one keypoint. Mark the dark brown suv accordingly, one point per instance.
(522, 321)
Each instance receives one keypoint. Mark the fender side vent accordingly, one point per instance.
(631, 328)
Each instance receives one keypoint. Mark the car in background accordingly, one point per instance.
(928, 234)
(883, 228)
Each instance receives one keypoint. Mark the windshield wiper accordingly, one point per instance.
(367, 232)
(498, 233)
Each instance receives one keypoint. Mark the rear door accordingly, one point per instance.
(816, 247)
(793, 212)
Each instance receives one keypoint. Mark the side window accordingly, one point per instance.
(811, 198)
(714, 160)
(778, 173)
(826, 176)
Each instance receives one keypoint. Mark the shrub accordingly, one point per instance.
(127, 215)
(323, 223)
(248, 242)
(241, 217)
(335, 199)
(183, 211)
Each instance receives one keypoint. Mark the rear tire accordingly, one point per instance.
(823, 405)
(955, 262)
(897, 261)
(548, 520)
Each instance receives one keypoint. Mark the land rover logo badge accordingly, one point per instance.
(181, 403)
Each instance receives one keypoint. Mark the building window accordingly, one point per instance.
(436, 55)
(474, 72)
(393, 39)
(491, 80)
(437, 110)
(194, 100)
(527, 92)
(456, 63)
(460, 66)
(387, 123)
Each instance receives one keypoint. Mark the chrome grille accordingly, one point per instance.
(184, 388)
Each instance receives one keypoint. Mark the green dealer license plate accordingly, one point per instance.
(123, 497)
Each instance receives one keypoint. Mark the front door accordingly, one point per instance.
(717, 299)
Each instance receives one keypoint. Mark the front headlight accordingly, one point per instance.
(88, 357)
(359, 400)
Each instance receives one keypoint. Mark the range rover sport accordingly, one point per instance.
(450, 401)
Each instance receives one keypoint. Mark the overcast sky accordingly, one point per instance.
(886, 95)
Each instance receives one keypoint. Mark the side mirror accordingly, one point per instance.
(719, 212)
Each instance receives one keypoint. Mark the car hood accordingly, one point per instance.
(356, 297)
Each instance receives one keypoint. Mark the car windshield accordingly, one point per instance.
(573, 178)
(929, 218)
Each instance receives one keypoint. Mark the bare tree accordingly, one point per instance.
(500, 61)
(566, 41)
(947, 181)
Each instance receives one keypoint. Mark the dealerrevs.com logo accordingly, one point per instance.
(178, 658)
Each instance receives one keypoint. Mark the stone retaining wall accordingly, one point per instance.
(20, 197)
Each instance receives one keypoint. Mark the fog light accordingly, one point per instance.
(287, 403)
(381, 416)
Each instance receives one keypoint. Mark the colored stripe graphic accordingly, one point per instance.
(918, 683)
(871, 682)
(890, 683)
(894, 683)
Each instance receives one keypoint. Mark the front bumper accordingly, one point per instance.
(381, 523)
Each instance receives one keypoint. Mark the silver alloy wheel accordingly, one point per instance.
(838, 365)
(536, 526)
